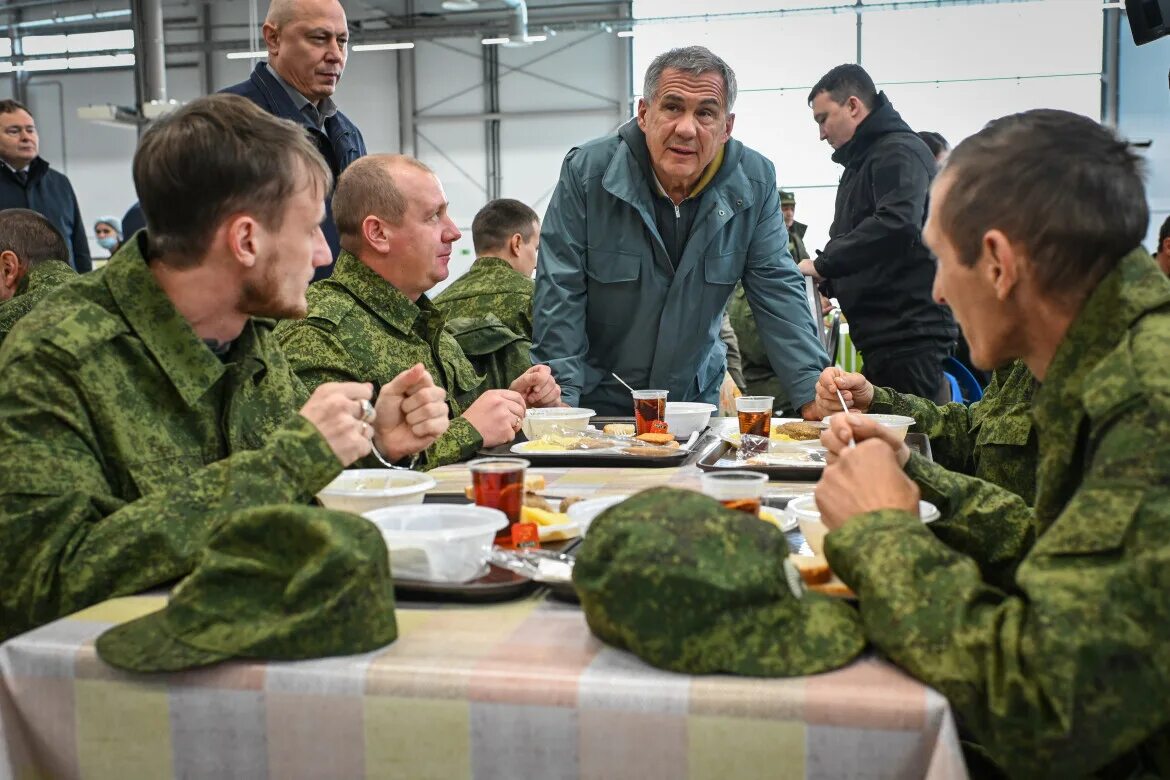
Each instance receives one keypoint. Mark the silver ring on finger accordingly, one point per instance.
(367, 431)
(367, 411)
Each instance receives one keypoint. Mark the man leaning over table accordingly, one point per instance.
(372, 317)
(148, 401)
(1056, 657)
(644, 239)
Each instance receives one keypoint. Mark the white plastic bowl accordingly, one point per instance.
(684, 418)
(584, 512)
(897, 422)
(538, 422)
(805, 512)
(438, 542)
(363, 490)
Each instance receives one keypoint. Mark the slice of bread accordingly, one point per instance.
(619, 429)
(814, 569)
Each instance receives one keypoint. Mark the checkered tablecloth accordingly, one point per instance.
(515, 690)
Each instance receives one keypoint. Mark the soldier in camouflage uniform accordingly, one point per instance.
(145, 402)
(372, 317)
(495, 351)
(506, 235)
(991, 439)
(31, 265)
(758, 378)
(1048, 629)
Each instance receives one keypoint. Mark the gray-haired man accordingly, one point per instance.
(644, 239)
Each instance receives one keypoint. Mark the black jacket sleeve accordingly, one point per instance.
(899, 183)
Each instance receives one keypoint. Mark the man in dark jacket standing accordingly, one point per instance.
(875, 263)
(27, 182)
(307, 46)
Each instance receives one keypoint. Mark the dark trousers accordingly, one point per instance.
(915, 369)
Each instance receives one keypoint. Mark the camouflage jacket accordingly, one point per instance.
(40, 280)
(127, 440)
(1059, 666)
(360, 328)
(495, 350)
(992, 439)
(491, 286)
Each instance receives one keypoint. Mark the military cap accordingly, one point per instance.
(280, 582)
(787, 198)
(690, 586)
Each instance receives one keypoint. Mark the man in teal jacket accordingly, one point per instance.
(644, 239)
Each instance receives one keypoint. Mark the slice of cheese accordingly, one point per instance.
(531, 514)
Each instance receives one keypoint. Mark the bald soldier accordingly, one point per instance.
(373, 318)
(307, 42)
(146, 403)
(32, 264)
(1052, 642)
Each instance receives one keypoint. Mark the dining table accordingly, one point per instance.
(511, 689)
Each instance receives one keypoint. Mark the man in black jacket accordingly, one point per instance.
(875, 263)
(27, 182)
(307, 44)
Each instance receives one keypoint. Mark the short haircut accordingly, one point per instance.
(934, 141)
(844, 82)
(367, 188)
(695, 60)
(216, 156)
(1163, 234)
(498, 221)
(1066, 188)
(31, 237)
(12, 106)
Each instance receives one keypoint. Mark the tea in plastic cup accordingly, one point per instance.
(498, 483)
(755, 414)
(739, 490)
(649, 408)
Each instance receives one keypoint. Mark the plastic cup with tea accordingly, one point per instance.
(755, 414)
(498, 483)
(739, 490)
(649, 408)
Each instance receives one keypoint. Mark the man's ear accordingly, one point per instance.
(728, 127)
(1002, 263)
(514, 244)
(377, 233)
(271, 38)
(642, 113)
(11, 270)
(242, 234)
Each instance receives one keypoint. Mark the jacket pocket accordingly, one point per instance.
(726, 268)
(1096, 521)
(1000, 426)
(610, 266)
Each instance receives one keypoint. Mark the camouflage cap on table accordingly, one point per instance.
(279, 582)
(687, 585)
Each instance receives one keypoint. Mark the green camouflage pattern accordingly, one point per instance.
(758, 377)
(361, 329)
(496, 351)
(688, 585)
(40, 280)
(278, 583)
(1059, 664)
(491, 286)
(992, 439)
(127, 440)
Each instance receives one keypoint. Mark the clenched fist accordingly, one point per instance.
(496, 415)
(335, 408)
(537, 387)
(412, 413)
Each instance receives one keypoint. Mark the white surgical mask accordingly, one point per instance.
(108, 242)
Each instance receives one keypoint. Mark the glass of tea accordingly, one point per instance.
(498, 483)
(649, 408)
(755, 414)
(739, 490)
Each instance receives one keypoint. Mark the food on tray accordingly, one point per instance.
(568, 501)
(799, 431)
(533, 483)
(814, 569)
(536, 502)
(656, 438)
(651, 452)
(531, 514)
(619, 429)
(768, 517)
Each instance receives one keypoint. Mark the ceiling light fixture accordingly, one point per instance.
(494, 41)
(625, 33)
(382, 46)
(460, 5)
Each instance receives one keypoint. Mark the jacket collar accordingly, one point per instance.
(282, 104)
(187, 362)
(385, 300)
(881, 121)
(47, 274)
(489, 262)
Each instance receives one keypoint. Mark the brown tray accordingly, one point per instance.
(811, 472)
(496, 585)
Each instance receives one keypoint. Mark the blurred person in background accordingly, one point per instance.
(108, 232)
(32, 264)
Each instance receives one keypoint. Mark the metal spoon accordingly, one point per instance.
(618, 378)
